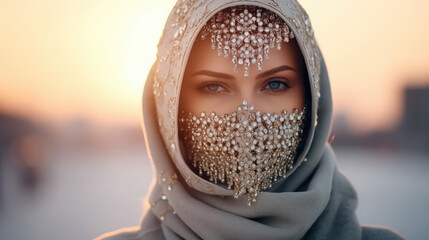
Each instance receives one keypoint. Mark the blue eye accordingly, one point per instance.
(276, 86)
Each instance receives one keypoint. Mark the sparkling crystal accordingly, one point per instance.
(251, 154)
(164, 197)
(245, 37)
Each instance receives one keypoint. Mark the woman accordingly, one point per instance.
(237, 112)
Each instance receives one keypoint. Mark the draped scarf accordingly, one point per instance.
(315, 201)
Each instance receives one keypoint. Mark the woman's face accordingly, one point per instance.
(211, 85)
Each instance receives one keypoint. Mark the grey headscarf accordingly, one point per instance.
(315, 201)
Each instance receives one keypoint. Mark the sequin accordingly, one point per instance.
(247, 33)
(248, 160)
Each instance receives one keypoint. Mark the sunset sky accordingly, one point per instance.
(61, 60)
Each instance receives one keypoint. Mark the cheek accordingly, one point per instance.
(187, 101)
(293, 98)
(299, 96)
(194, 100)
(186, 97)
(191, 101)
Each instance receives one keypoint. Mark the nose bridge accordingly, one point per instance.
(246, 91)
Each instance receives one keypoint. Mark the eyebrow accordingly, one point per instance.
(230, 77)
(214, 74)
(275, 70)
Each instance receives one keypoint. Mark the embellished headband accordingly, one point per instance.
(247, 33)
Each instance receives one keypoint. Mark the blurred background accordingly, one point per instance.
(72, 159)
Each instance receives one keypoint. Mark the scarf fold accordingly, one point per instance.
(316, 202)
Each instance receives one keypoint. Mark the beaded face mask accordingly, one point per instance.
(247, 150)
(247, 33)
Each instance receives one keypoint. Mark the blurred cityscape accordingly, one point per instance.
(101, 173)
(411, 134)
(30, 146)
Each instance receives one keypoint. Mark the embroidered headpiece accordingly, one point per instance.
(247, 33)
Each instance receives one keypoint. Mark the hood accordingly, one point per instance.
(181, 30)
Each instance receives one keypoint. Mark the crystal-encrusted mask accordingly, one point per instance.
(247, 33)
(247, 150)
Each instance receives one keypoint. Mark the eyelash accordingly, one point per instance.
(272, 80)
(207, 85)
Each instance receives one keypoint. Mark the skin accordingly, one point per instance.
(211, 85)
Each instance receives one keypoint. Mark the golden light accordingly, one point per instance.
(68, 59)
(79, 58)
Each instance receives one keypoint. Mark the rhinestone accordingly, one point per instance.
(238, 155)
(231, 35)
